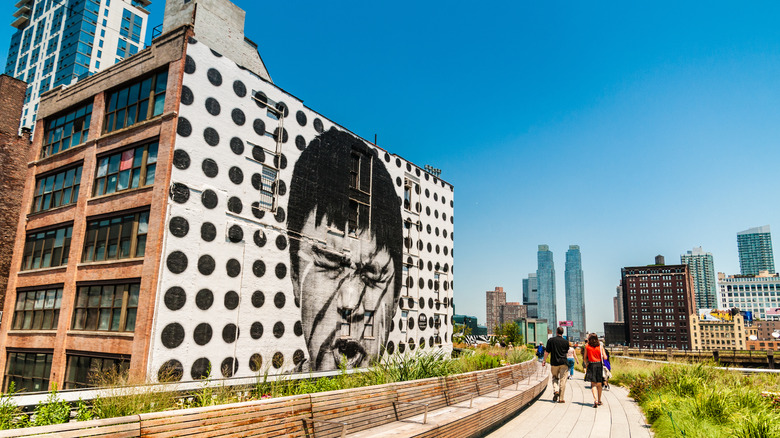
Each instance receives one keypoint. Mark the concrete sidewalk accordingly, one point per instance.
(618, 417)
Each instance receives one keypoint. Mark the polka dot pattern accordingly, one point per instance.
(227, 251)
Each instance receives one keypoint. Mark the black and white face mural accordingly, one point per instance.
(290, 243)
(346, 262)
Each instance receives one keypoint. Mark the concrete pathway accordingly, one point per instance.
(618, 417)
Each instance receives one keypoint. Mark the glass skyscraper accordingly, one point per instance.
(702, 269)
(545, 277)
(755, 251)
(531, 295)
(575, 293)
(58, 42)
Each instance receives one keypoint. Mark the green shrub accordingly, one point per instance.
(11, 415)
(52, 411)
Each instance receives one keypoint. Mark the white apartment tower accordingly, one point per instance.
(702, 269)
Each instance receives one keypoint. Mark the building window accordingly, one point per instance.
(29, 371)
(116, 238)
(47, 249)
(57, 190)
(359, 192)
(37, 309)
(67, 130)
(368, 324)
(106, 307)
(126, 170)
(85, 371)
(267, 185)
(346, 323)
(135, 103)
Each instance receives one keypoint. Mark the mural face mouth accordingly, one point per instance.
(351, 349)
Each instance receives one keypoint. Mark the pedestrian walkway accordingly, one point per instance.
(618, 417)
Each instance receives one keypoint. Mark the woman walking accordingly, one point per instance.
(571, 359)
(594, 356)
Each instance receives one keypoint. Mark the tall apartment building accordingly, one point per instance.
(499, 311)
(617, 305)
(207, 221)
(755, 251)
(545, 277)
(658, 302)
(711, 333)
(702, 269)
(752, 293)
(575, 293)
(58, 42)
(531, 295)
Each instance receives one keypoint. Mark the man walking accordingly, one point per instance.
(557, 348)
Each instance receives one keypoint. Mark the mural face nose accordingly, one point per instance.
(350, 293)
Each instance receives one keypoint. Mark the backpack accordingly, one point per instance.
(540, 351)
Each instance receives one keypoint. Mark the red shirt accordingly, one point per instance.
(593, 353)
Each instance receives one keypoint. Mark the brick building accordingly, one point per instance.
(657, 302)
(207, 221)
(14, 150)
(499, 311)
(712, 333)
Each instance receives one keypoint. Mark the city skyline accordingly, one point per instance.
(599, 113)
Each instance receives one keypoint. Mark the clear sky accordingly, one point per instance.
(629, 129)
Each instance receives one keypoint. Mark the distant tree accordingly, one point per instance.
(509, 332)
(459, 333)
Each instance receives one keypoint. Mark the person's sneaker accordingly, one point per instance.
(555, 397)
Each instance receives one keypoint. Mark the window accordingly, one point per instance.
(116, 238)
(67, 130)
(57, 190)
(28, 370)
(129, 169)
(37, 309)
(368, 324)
(85, 371)
(359, 191)
(47, 249)
(267, 184)
(106, 307)
(135, 103)
(346, 322)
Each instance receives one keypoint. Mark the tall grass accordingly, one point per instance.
(120, 397)
(701, 400)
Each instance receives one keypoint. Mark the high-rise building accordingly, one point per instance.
(545, 277)
(59, 42)
(204, 220)
(755, 251)
(658, 301)
(575, 293)
(617, 305)
(757, 294)
(702, 269)
(499, 311)
(531, 295)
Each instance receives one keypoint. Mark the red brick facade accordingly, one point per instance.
(166, 53)
(13, 169)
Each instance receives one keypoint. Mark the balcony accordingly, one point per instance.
(21, 21)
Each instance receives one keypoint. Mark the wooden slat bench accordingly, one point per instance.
(454, 406)
(119, 427)
(272, 417)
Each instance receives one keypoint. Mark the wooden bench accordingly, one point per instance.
(460, 388)
(333, 413)
(119, 427)
(427, 393)
(283, 416)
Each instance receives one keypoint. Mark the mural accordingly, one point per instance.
(291, 244)
(346, 266)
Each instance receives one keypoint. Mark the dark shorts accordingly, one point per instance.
(595, 373)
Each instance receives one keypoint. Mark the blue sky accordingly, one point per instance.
(630, 130)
